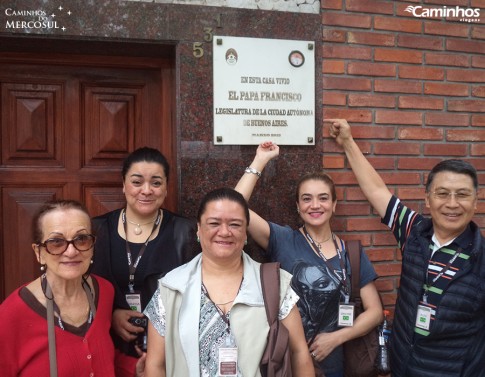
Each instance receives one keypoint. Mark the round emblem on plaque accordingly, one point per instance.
(296, 58)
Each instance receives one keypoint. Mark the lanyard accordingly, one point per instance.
(431, 283)
(132, 266)
(329, 265)
(224, 317)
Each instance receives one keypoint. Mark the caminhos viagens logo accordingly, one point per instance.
(459, 13)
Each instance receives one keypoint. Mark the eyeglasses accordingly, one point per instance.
(57, 246)
(460, 196)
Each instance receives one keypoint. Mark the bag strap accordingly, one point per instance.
(270, 284)
(353, 248)
(51, 333)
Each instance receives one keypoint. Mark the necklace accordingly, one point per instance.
(138, 230)
(87, 289)
(319, 243)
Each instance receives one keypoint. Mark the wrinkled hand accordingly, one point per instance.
(267, 151)
(339, 130)
(323, 345)
(122, 327)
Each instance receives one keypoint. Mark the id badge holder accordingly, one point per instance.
(227, 365)
(134, 300)
(346, 314)
(423, 318)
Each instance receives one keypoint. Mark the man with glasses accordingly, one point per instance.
(439, 322)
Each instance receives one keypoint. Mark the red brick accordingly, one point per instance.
(388, 269)
(457, 60)
(479, 91)
(477, 150)
(478, 120)
(372, 132)
(476, 4)
(370, 38)
(465, 135)
(346, 83)
(456, 90)
(364, 223)
(338, 19)
(389, 299)
(332, 35)
(353, 209)
(462, 75)
(336, 99)
(346, 52)
(424, 73)
(371, 100)
(396, 86)
(371, 69)
(473, 47)
(399, 117)
(446, 119)
(478, 61)
(369, 6)
(333, 162)
(397, 24)
(414, 163)
(333, 66)
(382, 163)
(447, 28)
(448, 2)
(419, 42)
(378, 255)
(415, 193)
(478, 32)
(466, 105)
(401, 148)
(362, 116)
(414, 102)
(331, 4)
(364, 238)
(447, 149)
(384, 239)
(419, 133)
(399, 56)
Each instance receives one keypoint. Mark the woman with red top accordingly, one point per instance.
(59, 323)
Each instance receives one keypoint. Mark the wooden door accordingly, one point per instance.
(67, 122)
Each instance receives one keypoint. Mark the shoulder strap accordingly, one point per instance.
(353, 248)
(270, 283)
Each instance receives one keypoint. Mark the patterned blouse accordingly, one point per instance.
(213, 329)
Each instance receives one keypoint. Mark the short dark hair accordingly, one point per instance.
(145, 154)
(317, 176)
(220, 194)
(455, 166)
(50, 206)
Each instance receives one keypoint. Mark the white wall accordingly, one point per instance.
(298, 6)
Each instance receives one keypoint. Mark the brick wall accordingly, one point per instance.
(413, 90)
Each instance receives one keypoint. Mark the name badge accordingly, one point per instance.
(227, 362)
(346, 315)
(423, 318)
(134, 300)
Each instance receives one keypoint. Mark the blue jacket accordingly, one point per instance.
(456, 345)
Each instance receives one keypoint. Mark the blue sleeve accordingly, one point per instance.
(367, 272)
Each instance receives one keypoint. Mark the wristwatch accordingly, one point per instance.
(251, 170)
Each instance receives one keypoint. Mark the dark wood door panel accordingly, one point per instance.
(18, 207)
(67, 123)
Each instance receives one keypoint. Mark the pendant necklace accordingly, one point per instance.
(138, 230)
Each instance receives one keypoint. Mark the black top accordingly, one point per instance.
(173, 246)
